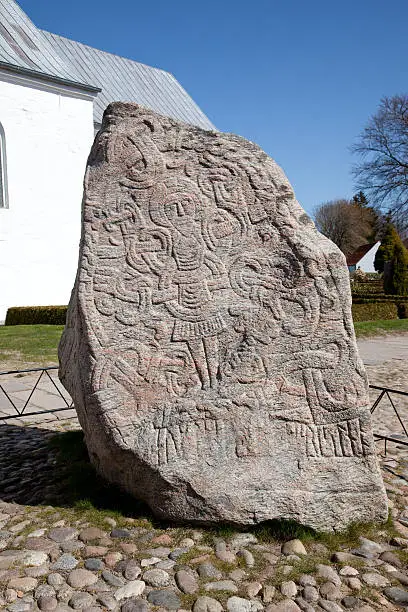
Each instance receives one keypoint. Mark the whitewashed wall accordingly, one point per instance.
(48, 136)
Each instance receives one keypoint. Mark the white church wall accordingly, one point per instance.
(48, 136)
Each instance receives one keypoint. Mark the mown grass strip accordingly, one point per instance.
(22, 344)
(365, 329)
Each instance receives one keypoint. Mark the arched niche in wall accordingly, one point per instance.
(3, 169)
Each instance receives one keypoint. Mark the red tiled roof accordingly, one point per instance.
(359, 253)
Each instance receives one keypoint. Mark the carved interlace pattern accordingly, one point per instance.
(218, 318)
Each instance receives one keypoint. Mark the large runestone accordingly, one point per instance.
(209, 345)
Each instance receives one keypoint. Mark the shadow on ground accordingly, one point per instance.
(39, 467)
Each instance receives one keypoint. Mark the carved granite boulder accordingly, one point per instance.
(209, 346)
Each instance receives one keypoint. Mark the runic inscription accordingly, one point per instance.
(209, 346)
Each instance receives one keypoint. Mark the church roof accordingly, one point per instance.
(125, 80)
(27, 50)
(24, 49)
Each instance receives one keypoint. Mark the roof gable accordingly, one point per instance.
(359, 253)
(25, 49)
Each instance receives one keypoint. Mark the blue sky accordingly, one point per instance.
(300, 78)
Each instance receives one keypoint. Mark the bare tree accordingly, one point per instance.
(346, 223)
(383, 150)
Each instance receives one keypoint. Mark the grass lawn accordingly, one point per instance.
(27, 345)
(379, 328)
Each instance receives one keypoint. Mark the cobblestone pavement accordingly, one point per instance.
(58, 554)
(66, 556)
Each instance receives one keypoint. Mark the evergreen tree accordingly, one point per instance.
(359, 199)
(386, 249)
(400, 269)
(392, 259)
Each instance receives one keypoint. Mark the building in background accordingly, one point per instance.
(53, 92)
(363, 258)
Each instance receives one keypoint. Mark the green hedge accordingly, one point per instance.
(374, 310)
(372, 287)
(36, 315)
(363, 309)
(384, 297)
(373, 307)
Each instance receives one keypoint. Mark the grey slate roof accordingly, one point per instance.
(125, 80)
(25, 49)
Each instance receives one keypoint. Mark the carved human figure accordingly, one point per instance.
(197, 274)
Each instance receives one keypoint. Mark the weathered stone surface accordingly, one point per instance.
(310, 594)
(207, 570)
(22, 584)
(131, 589)
(268, 593)
(328, 573)
(287, 605)
(307, 580)
(186, 581)
(238, 604)
(353, 583)
(94, 564)
(80, 578)
(207, 604)
(62, 534)
(237, 575)
(65, 562)
(34, 558)
(348, 571)
(165, 599)
(397, 595)
(288, 589)
(47, 603)
(209, 346)
(91, 533)
(253, 588)
(373, 579)
(391, 558)
(135, 605)
(156, 578)
(294, 547)
(79, 601)
(241, 540)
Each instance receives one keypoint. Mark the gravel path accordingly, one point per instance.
(386, 362)
(380, 349)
